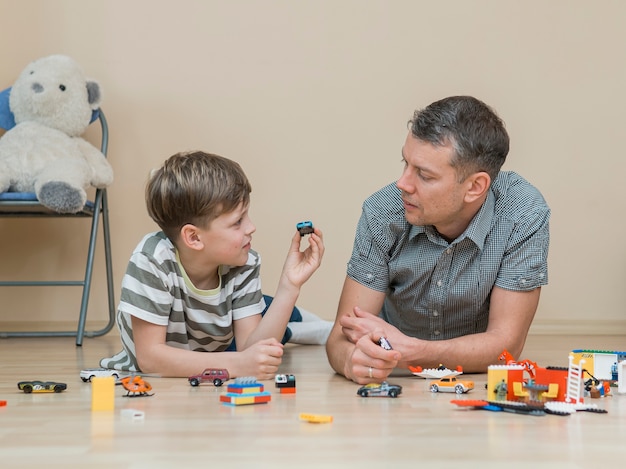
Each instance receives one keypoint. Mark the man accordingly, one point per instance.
(449, 261)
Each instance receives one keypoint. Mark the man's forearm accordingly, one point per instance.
(338, 350)
(472, 352)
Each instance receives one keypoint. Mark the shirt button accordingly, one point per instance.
(448, 251)
(439, 283)
(436, 332)
(541, 275)
(435, 313)
(523, 281)
(369, 276)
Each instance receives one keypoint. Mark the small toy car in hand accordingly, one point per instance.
(380, 389)
(41, 386)
(305, 227)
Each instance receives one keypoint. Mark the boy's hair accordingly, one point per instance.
(194, 188)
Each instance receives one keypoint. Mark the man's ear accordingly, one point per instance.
(478, 185)
(190, 237)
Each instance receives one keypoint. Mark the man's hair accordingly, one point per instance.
(476, 133)
(195, 188)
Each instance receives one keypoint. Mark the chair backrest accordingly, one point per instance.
(553, 390)
(518, 390)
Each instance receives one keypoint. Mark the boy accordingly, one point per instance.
(195, 286)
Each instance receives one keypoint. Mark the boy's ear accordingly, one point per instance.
(190, 238)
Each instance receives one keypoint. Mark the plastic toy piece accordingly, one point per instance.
(316, 418)
(451, 384)
(132, 414)
(384, 343)
(305, 227)
(89, 373)
(136, 386)
(286, 384)
(380, 389)
(102, 393)
(245, 391)
(529, 365)
(217, 376)
(435, 373)
(41, 386)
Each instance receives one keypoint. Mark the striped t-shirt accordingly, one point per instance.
(438, 290)
(156, 289)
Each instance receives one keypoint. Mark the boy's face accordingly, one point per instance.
(228, 237)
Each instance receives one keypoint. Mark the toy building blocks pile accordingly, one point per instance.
(526, 388)
(245, 391)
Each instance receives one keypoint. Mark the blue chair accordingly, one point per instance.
(25, 204)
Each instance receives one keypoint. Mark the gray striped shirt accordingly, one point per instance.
(437, 290)
(156, 289)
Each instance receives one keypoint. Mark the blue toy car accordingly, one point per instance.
(305, 227)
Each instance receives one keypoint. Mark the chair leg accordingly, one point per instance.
(101, 210)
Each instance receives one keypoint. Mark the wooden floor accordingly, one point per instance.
(188, 427)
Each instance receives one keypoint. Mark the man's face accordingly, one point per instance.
(431, 192)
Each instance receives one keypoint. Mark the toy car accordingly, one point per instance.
(380, 389)
(89, 373)
(305, 227)
(217, 376)
(41, 386)
(451, 384)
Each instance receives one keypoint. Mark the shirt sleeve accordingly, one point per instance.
(146, 290)
(524, 265)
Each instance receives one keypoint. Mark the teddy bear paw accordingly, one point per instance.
(61, 197)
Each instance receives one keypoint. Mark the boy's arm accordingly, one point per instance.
(155, 356)
(297, 269)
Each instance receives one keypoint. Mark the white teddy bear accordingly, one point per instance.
(52, 103)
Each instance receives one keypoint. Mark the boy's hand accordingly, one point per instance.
(300, 265)
(261, 359)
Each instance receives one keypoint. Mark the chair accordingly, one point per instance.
(552, 392)
(23, 204)
(519, 391)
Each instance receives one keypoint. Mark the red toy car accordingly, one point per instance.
(217, 376)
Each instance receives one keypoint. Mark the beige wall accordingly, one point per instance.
(312, 98)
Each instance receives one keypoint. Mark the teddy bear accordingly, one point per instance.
(52, 103)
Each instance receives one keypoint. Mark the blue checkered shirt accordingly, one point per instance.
(437, 290)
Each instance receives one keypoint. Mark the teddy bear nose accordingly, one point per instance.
(37, 88)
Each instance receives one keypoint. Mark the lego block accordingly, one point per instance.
(287, 390)
(245, 399)
(245, 388)
(316, 418)
(102, 393)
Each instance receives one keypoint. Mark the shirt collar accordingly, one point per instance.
(476, 231)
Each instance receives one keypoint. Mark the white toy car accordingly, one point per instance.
(89, 373)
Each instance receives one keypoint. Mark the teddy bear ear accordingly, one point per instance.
(94, 94)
